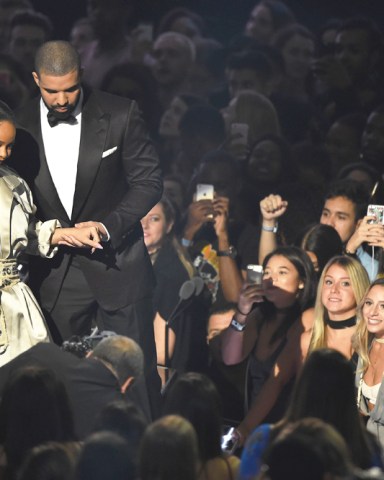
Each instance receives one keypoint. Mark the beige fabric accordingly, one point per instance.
(22, 323)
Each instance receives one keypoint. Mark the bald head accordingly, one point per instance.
(57, 58)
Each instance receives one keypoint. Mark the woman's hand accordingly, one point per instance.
(371, 233)
(272, 207)
(250, 293)
(79, 237)
(198, 213)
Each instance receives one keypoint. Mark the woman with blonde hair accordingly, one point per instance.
(341, 287)
(369, 344)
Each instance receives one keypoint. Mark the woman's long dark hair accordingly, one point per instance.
(305, 296)
(325, 389)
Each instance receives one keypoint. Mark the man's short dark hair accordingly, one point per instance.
(375, 37)
(353, 191)
(57, 58)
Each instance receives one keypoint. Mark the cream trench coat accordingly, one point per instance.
(22, 324)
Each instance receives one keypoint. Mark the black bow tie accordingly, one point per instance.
(53, 120)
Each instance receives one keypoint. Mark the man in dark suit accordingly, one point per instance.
(109, 373)
(87, 155)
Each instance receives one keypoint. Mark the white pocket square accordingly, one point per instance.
(109, 152)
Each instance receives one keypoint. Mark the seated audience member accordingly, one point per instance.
(352, 86)
(267, 327)
(136, 82)
(367, 175)
(206, 74)
(13, 82)
(112, 44)
(169, 450)
(202, 130)
(258, 115)
(112, 371)
(173, 54)
(194, 397)
(124, 419)
(266, 18)
(368, 341)
(172, 268)
(168, 129)
(343, 141)
(326, 374)
(81, 33)
(51, 461)
(28, 31)
(307, 449)
(372, 140)
(184, 21)
(34, 409)
(250, 70)
(268, 167)
(106, 455)
(297, 46)
(7, 9)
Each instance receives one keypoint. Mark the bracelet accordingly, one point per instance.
(270, 229)
(347, 252)
(239, 327)
(241, 313)
(185, 242)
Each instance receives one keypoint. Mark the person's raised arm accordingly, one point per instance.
(239, 338)
(271, 207)
(230, 275)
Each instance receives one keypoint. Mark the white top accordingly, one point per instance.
(370, 392)
(61, 145)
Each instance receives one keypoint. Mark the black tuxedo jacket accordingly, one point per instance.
(118, 182)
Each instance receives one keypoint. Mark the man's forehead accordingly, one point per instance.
(339, 204)
(352, 36)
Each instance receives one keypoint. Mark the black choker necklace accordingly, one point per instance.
(339, 324)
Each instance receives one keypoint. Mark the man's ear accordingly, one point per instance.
(36, 78)
(127, 384)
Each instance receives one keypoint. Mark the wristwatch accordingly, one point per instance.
(231, 252)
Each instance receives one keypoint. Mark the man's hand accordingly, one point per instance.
(198, 213)
(371, 233)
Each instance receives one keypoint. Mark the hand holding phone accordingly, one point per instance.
(376, 211)
(255, 274)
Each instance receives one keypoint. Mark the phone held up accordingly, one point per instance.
(376, 211)
(255, 274)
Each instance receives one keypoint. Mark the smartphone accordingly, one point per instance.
(204, 192)
(229, 441)
(239, 133)
(378, 212)
(255, 274)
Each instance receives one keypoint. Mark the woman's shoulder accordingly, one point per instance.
(224, 467)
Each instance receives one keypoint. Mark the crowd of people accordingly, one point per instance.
(191, 246)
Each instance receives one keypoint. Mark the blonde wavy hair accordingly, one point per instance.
(362, 339)
(359, 282)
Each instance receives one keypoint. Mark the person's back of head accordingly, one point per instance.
(307, 449)
(123, 354)
(51, 461)
(169, 450)
(57, 58)
(34, 408)
(106, 455)
(329, 374)
(195, 397)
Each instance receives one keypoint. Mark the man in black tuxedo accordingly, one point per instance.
(110, 372)
(87, 155)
